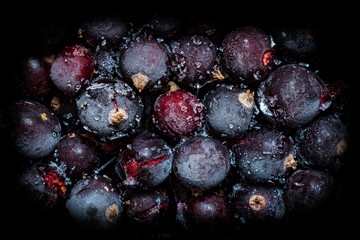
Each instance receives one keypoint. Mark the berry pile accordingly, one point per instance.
(176, 126)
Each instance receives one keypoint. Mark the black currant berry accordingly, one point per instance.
(110, 108)
(34, 129)
(95, 204)
(292, 96)
(201, 162)
(264, 156)
(144, 160)
(228, 111)
(248, 54)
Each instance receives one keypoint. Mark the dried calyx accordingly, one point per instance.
(257, 202)
(118, 115)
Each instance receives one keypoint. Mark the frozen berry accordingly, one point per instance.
(207, 211)
(324, 142)
(229, 111)
(72, 69)
(110, 108)
(292, 96)
(78, 154)
(34, 129)
(35, 78)
(144, 160)
(309, 191)
(264, 156)
(145, 63)
(194, 60)
(103, 31)
(95, 204)
(178, 113)
(248, 54)
(201, 162)
(259, 205)
(42, 186)
(146, 207)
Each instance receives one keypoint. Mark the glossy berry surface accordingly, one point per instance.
(146, 207)
(248, 54)
(292, 96)
(194, 60)
(145, 63)
(103, 31)
(42, 185)
(110, 108)
(178, 113)
(94, 203)
(264, 156)
(144, 160)
(207, 210)
(79, 156)
(34, 129)
(259, 205)
(72, 69)
(309, 191)
(201, 162)
(35, 80)
(228, 111)
(324, 142)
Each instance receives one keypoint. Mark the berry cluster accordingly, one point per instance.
(145, 124)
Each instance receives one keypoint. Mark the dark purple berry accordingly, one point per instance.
(146, 207)
(194, 60)
(34, 129)
(110, 108)
(248, 54)
(178, 113)
(324, 142)
(72, 69)
(104, 31)
(259, 205)
(78, 154)
(95, 204)
(292, 96)
(208, 210)
(264, 156)
(309, 191)
(35, 78)
(42, 186)
(144, 160)
(228, 111)
(145, 63)
(201, 162)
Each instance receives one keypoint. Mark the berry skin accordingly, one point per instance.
(228, 111)
(324, 142)
(34, 129)
(178, 113)
(95, 204)
(248, 54)
(207, 210)
(144, 160)
(79, 156)
(201, 162)
(259, 205)
(264, 156)
(110, 108)
(292, 96)
(309, 191)
(42, 186)
(144, 63)
(146, 207)
(194, 60)
(72, 69)
(103, 31)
